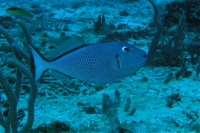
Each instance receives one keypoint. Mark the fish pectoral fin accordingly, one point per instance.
(59, 75)
(73, 43)
(115, 64)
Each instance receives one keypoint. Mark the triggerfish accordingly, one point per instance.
(98, 63)
(19, 12)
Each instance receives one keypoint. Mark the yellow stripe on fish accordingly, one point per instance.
(19, 11)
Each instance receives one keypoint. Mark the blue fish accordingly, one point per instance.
(98, 63)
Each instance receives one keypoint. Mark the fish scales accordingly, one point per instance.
(97, 63)
(91, 63)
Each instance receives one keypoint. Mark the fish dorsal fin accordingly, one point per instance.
(73, 43)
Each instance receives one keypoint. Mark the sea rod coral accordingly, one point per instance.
(14, 58)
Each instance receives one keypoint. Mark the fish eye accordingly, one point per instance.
(125, 49)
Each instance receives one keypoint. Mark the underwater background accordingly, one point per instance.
(162, 96)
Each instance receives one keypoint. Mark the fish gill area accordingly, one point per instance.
(163, 96)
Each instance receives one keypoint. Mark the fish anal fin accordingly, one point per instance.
(59, 75)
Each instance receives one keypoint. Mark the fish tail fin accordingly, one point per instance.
(38, 63)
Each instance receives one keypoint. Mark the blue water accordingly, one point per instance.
(162, 96)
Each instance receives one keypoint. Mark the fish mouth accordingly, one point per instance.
(145, 55)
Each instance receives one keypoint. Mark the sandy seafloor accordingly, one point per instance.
(67, 101)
